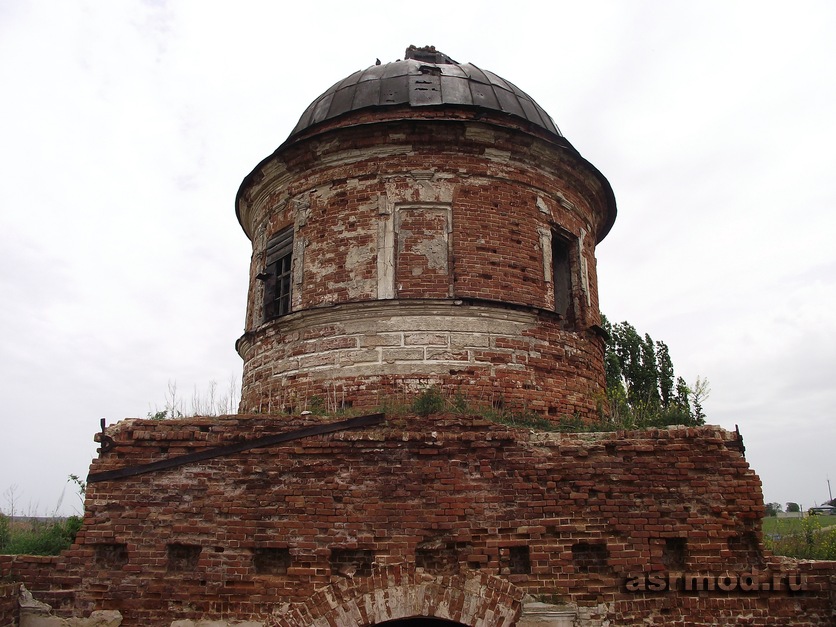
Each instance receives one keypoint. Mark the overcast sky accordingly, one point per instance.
(126, 128)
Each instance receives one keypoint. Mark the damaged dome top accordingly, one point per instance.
(425, 77)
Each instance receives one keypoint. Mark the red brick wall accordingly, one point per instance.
(441, 505)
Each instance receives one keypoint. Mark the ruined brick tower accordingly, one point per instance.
(425, 224)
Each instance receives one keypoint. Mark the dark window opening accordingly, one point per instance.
(674, 553)
(561, 275)
(518, 560)
(351, 562)
(438, 558)
(589, 557)
(271, 561)
(111, 554)
(183, 557)
(277, 275)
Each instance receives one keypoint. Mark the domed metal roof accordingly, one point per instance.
(425, 77)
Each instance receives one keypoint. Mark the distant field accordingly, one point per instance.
(786, 526)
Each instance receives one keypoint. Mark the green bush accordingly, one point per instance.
(40, 538)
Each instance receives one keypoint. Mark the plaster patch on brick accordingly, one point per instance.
(435, 250)
(584, 269)
(352, 156)
(356, 260)
(482, 134)
(497, 155)
(546, 249)
(565, 202)
(301, 211)
(299, 245)
(385, 253)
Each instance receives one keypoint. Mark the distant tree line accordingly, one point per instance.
(642, 387)
(773, 509)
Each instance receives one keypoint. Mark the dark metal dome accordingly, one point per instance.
(425, 77)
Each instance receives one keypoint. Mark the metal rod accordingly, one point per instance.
(229, 449)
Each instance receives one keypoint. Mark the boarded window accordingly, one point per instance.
(561, 275)
(277, 274)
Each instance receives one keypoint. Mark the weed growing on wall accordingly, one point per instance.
(209, 402)
(430, 401)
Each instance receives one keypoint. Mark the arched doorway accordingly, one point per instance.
(406, 598)
(420, 621)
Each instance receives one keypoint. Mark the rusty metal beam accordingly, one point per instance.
(230, 449)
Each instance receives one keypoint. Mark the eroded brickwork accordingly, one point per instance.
(385, 351)
(9, 612)
(452, 507)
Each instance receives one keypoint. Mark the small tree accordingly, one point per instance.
(81, 487)
(11, 497)
(699, 394)
(793, 507)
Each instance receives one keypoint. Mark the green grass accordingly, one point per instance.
(812, 537)
(785, 526)
(37, 537)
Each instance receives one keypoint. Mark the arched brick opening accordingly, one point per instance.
(422, 621)
(402, 597)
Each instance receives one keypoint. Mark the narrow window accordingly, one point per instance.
(561, 275)
(277, 273)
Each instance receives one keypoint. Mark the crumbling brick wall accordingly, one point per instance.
(55, 578)
(9, 613)
(434, 504)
